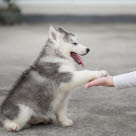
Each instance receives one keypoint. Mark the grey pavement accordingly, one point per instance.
(99, 111)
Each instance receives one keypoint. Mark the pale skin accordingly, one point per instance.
(102, 81)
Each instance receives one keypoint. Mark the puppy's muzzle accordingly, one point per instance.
(87, 50)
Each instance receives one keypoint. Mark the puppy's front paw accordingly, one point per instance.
(66, 123)
(103, 73)
(97, 74)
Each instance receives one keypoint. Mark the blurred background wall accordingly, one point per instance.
(81, 7)
(70, 10)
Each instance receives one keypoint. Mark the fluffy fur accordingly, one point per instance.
(41, 93)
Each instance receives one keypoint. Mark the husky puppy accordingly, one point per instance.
(42, 90)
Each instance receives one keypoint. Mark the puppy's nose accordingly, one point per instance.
(87, 50)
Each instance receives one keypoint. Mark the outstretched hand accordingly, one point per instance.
(103, 81)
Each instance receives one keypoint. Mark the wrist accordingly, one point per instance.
(110, 82)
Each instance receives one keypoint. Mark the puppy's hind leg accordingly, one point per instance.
(11, 125)
(20, 120)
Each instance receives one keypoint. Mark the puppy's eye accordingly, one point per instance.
(74, 43)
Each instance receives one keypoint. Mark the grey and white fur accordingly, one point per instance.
(41, 92)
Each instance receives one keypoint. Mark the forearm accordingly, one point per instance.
(125, 80)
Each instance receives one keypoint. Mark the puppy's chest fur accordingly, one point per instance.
(66, 68)
(56, 73)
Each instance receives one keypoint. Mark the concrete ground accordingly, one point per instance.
(99, 111)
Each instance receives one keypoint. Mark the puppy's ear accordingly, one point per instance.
(53, 35)
(61, 30)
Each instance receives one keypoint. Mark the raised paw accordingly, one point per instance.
(66, 123)
(103, 73)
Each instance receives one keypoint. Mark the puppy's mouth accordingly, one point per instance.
(77, 59)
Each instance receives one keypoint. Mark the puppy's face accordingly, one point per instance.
(67, 44)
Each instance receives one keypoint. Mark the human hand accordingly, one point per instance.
(103, 81)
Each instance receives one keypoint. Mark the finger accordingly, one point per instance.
(90, 84)
(96, 82)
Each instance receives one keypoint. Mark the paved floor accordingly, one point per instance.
(100, 111)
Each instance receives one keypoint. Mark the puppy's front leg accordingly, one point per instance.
(81, 77)
(62, 115)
